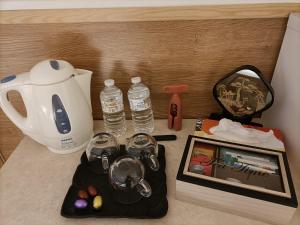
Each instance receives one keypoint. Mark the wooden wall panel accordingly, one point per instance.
(197, 53)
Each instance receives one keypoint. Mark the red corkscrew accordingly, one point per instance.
(175, 106)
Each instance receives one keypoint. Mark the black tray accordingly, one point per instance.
(89, 173)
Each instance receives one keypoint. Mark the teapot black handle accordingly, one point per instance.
(170, 137)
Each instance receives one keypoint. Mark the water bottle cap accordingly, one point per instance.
(136, 80)
(109, 82)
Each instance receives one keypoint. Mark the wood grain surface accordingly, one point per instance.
(237, 11)
(197, 53)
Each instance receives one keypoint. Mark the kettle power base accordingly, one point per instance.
(89, 173)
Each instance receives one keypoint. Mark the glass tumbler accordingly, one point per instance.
(102, 146)
(143, 147)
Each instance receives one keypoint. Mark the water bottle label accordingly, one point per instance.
(112, 105)
(140, 104)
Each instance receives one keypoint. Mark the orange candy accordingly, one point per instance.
(92, 191)
(83, 194)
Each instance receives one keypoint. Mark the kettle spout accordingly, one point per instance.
(83, 79)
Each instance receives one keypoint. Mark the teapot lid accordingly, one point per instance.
(51, 71)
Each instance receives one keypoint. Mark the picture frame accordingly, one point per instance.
(272, 165)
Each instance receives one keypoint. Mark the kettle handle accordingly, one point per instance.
(15, 83)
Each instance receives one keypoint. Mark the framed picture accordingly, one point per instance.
(246, 170)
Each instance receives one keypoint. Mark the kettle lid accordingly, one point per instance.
(51, 71)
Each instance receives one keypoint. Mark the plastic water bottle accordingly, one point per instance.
(140, 105)
(113, 109)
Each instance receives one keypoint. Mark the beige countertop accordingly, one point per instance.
(34, 181)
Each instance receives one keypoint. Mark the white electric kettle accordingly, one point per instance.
(57, 101)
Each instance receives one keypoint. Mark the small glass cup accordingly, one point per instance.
(102, 146)
(143, 147)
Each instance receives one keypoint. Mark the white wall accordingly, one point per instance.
(285, 113)
(57, 4)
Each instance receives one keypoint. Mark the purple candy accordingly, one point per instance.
(80, 203)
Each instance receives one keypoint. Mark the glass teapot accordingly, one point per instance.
(126, 176)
